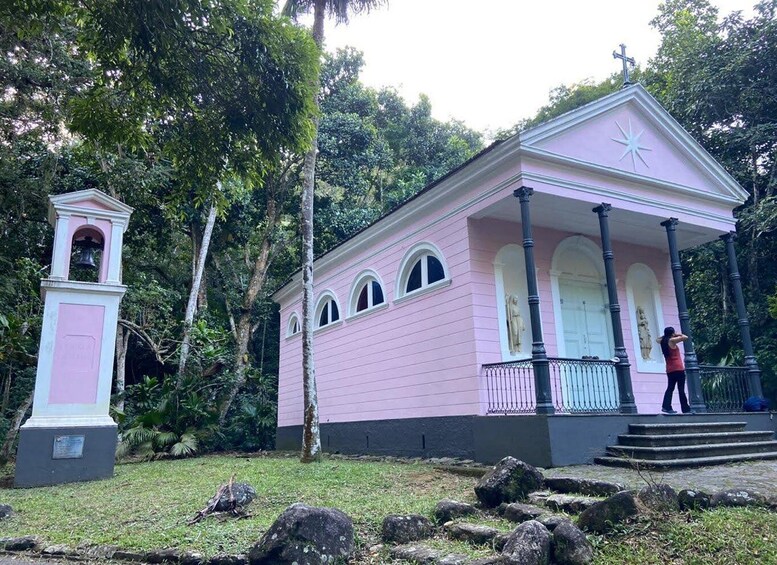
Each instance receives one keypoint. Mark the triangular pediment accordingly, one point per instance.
(91, 200)
(629, 133)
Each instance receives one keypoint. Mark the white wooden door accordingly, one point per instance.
(586, 334)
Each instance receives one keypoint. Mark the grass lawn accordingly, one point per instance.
(146, 505)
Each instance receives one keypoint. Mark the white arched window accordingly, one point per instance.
(366, 293)
(327, 310)
(294, 325)
(422, 269)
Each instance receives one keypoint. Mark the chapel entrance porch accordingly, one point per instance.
(576, 332)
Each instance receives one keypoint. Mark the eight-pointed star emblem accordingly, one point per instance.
(631, 141)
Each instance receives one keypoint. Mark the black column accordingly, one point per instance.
(539, 358)
(691, 362)
(753, 370)
(626, 393)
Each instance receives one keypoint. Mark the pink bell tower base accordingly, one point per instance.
(70, 435)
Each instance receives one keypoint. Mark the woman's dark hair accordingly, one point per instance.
(668, 332)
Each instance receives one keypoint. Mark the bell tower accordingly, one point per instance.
(70, 435)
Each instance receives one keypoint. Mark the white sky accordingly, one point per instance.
(491, 63)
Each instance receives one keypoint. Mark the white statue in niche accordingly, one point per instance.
(643, 329)
(515, 325)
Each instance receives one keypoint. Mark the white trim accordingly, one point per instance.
(423, 290)
(416, 252)
(293, 317)
(547, 156)
(329, 326)
(655, 365)
(383, 305)
(321, 301)
(681, 210)
(64, 201)
(501, 314)
(353, 297)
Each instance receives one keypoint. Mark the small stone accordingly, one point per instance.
(659, 498)
(416, 553)
(588, 487)
(191, 558)
(228, 560)
(406, 528)
(551, 521)
(124, 555)
(471, 533)
(737, 498)
(19, 544)
(59, 550)
(601, 517)
(447, 510)
(528, 544)
(569, 504)
(493, 560)
(570, 546)
(510, 480)
(5, 511)
(101, 552)
(163, 556)
(242, 495)
(519, 512)
(689, 499)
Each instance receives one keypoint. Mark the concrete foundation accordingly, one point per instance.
(543, 441)
(51, 456)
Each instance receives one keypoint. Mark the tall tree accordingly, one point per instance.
(339, 9)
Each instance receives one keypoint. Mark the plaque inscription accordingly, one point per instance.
(68, 447)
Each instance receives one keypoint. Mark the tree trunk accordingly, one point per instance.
(10, 438)
(122, 341)
(243, 324)
(6, 391)
(191, 306)
(311, 436)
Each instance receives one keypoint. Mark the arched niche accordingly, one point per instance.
(646, 317)
(510, 282)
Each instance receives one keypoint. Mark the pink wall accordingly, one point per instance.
(76, 366)
(406, 360)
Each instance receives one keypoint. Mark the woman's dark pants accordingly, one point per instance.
(675, 378)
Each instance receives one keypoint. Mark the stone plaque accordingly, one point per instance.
(68, 447)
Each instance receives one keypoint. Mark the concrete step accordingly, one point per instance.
(691, 451)
(666, 440)
(686, 428)
(681, 463)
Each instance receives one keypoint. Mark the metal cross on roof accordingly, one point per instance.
(626, 61)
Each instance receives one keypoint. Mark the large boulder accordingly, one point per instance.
(509, 481)
(589, 487)
(407, 528)
(305, 535)
(601, 517)
(659, 498)
(570, 546)
(447, 510)
(528, 544)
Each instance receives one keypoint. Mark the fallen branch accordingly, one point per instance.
(233, 506)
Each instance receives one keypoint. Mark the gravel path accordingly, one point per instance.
(760, 476)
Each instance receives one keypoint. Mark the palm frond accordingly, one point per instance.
(187, 446)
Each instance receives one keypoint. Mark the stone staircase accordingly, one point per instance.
(678, 445)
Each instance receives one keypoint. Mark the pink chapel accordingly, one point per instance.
(513, 306)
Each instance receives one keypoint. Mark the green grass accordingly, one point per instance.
(146, 505)
(723, 536)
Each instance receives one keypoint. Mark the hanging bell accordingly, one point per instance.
(86, 248)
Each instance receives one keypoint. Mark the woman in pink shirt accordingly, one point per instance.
(675, 371)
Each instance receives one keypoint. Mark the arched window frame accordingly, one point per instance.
(325, 298)
(408, 262)
(294, 319)
(365, 277)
